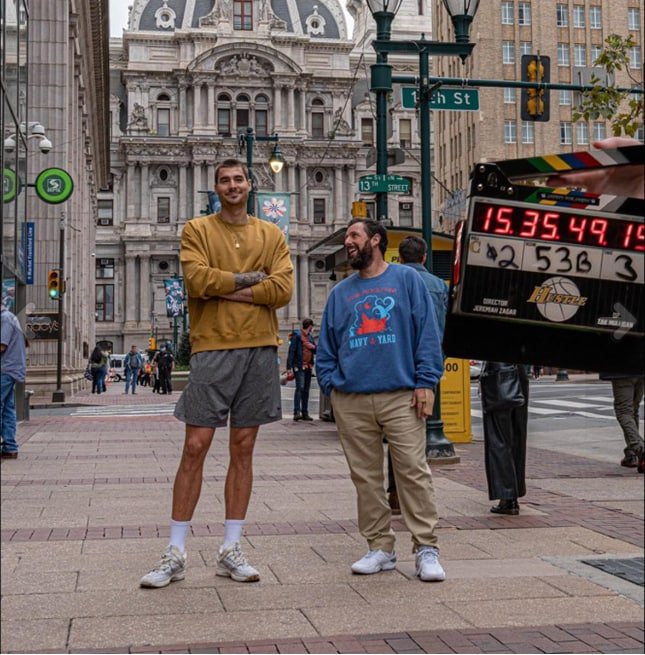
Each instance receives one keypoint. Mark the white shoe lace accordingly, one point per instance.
(429, 554)
(165, 563)
(236, 557)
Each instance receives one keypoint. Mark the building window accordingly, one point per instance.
(633, 18)
(599, 131)
(405, 133)
(595, 52)
(565, 133)
(565, 97)
(104, 304)
(317, 119)
(163, 122)
(579, 55)
(320, 211)
(510, 131)
(595, 18)
(582, 134)
(105, 212)
(528, 132)
(406, 216)
(508, 52)
(224, 114)
(242, 112)
(367, 131)
(640, 134)
(163, 210)
(261, 115)
(509, 96)
(562, 15)
(104, 268)
(507, 13)
(526, 47)
(524, 13)
(635, 57)
(578, 16)
(243, 14)
(563, 54)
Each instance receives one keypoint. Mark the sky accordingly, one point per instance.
(119, 16)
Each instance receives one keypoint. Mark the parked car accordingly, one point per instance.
(475, 369)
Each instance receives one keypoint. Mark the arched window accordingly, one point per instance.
(163, 114)
(261, 114)
(317, 119)
(242, 112)
(224, 114)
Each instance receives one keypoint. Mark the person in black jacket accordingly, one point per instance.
(300, 360)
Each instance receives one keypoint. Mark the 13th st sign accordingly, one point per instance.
(443, 99)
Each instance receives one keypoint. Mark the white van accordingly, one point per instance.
(117, 367)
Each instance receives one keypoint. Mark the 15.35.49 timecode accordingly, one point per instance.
(558, 225)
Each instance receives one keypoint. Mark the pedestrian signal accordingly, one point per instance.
(359, 209)
(54, 287)
(535, 101)
(152, 343)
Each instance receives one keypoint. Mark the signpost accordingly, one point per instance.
(54, 185)
(384, 184)
(443, 99)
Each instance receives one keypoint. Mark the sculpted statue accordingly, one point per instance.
(138, 116)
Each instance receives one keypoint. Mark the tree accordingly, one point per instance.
(623, 108)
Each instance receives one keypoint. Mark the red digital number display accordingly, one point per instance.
(558, 225)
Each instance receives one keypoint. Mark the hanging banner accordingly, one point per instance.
(9, 293)
(275, 208)
(174, 290)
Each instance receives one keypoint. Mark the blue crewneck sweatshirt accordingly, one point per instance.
(379, 334)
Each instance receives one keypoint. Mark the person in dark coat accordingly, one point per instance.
(300, 360)
(505, 433)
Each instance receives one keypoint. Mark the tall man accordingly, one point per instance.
(379, 358)
(13, 368)
(238, 272)
(413, 252)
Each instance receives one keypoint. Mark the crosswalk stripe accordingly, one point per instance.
(601, 399)
(565, 403)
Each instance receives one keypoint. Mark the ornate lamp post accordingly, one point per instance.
(461, 13)
(276, 160)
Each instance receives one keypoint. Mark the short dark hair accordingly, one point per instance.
(307, 322)
(372, 228)
(231, 163)
(412, 250)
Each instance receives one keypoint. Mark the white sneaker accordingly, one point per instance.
(231, 563)
(171, 567)
(374, 561)
(427, 564)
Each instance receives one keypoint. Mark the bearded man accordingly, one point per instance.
(379, 359)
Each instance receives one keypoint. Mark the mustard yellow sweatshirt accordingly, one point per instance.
(210, 258)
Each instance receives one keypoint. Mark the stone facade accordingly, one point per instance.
(186, 77)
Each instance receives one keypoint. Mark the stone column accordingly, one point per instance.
(302, 128)
(277, 107)
(183, 126)
(197, 105)
(303, 285)
(302, 198)
(144, 288)
(131, 199)
(130, 299)
(145, 193)
(292, 307)
(291, 109)
(197, 185)
(211, 108)
(339, 219)
(351, 187)
(182, 209)
(291, 186)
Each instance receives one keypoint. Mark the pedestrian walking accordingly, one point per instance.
(13, 368)
(413, 252)
(300, 361)
(238, 272)
(98, 367)
(379, 358)
(132, 363)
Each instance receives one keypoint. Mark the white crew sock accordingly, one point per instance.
(233, 531)
(178, 532)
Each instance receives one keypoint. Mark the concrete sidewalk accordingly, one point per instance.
(85, 510)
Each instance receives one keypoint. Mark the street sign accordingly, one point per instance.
(54, 185)
(384, 184)
(443, 99)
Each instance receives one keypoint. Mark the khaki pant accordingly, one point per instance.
(362, 421)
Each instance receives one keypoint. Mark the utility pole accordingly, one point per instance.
(59, 395)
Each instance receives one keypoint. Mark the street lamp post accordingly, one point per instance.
(462, 12)
(276, 160)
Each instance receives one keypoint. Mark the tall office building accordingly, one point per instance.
(571, 33)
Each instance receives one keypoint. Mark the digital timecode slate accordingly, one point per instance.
(550, 276)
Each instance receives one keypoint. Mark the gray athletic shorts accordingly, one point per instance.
(244, 382)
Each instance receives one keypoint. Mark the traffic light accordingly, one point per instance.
(54, 287)
(152, 343)
(535, 102)
(359, 209)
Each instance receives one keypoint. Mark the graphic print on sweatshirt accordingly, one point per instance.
(372, 321)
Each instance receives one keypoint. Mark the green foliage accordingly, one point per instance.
(622, 108)
(183, 351)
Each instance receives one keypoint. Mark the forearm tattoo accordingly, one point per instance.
(244, 280)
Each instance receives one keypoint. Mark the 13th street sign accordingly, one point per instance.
(384, 184)
(443, 99)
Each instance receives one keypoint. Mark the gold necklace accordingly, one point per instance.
(236, 241)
